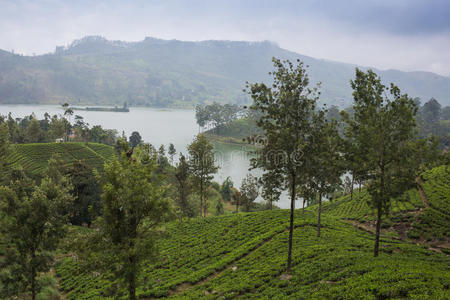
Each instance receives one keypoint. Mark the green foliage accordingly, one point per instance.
(382, 129)
(86, 189)
(216, 115)
(4, 147)
(134, 203)
(56, 128)
(135, 139)
(171, 152)
(436, 186)
(31, 220)
(249, 191)
(286, 110)
(183, 181)
(34, 157)
(408, 210)
(226, 189)
(201, 162)
(239, 255)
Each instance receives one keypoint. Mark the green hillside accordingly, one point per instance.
(157, 72)
(34, 157)
(244, 255)
(420, 214)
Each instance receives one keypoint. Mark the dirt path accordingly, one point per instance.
(422, 193)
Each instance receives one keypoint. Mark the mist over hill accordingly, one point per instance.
(162, 73)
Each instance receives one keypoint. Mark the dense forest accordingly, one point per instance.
(87, 213)
(172, 73)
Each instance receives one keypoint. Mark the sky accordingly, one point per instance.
(408, 35)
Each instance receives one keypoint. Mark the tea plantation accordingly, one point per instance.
(244, 255)
(34, 157)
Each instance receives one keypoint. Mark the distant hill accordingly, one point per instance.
(34, 157)
(157, 72)
(244, 255)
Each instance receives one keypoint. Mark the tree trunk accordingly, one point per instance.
(132, 282)
(291, 225)
(320, 212)
(201, 198)
(351, 187)
(303, 207)
(379, 214)
(377, 233)
(132, 288)
(33, 275)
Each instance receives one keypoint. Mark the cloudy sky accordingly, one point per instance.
(386, 34)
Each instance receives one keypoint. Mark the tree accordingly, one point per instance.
(162, 160)
(34, 132)
(249, 191)
(134, 203)
(382, 127)
(270, 188)
(219, 207)
(429, 117)
(87, 191)
(201, 115)
(202, 166)
(237, 198)
(4, 147)
(226, 189)
(68, 112)
(172, 151)
(31, 220)
(135, 139)
(325, 167)
(286, 109)
(182, 176)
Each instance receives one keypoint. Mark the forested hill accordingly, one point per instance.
(158, 72)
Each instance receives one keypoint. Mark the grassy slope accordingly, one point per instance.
(411, 216)
(34, 157)
(244, 255)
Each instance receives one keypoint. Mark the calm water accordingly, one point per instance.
(158, 126)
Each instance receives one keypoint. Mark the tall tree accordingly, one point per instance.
(226, 189)
(383, 128)
(134, 203)
(87, 191)
(34, 132)
(325, 167)
(202, 166)
(182, 176)
(286, 109)
(31, 221)
(171, 151)
(68, 112)
(430, 114)
(249, 191)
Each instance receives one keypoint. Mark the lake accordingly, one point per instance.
(158, 126)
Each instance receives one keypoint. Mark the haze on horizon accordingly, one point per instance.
(408, 35)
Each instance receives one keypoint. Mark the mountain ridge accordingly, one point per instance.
(156, 72)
